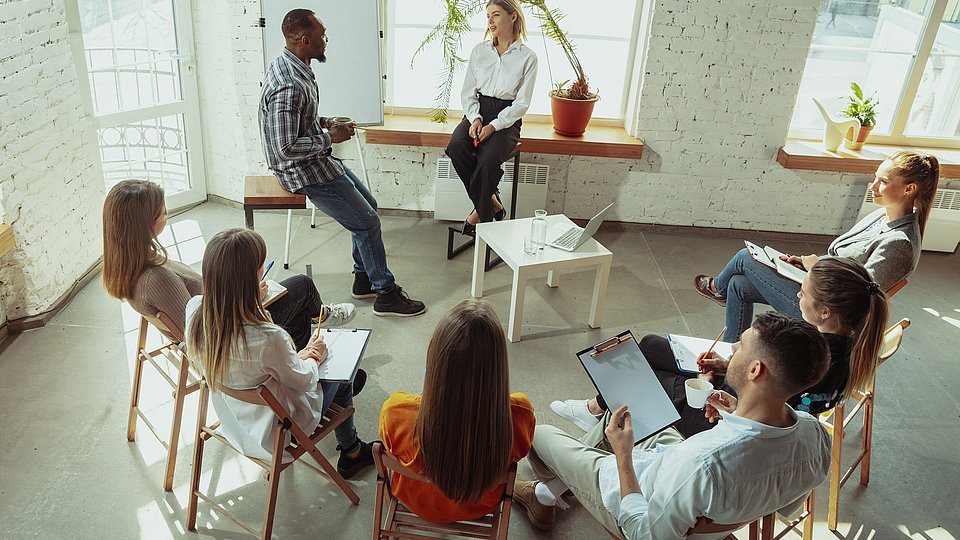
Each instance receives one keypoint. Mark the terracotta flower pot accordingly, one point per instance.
(856, 145)
(570, 116)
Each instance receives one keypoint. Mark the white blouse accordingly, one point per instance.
(510, 76)
(269, 359)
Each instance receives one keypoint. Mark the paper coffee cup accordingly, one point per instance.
(341, 120)
(698, 390)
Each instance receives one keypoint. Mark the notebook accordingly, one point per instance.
(686, 349)
(345, 347)
(768, 256)
(569, 238)
(623, 376)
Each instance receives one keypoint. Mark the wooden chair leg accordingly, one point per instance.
(279, 443)
(755, 530)
(808, 521)
(173, 445)
(867, 439)
(196, 470)
(137, 377)
(378, 507)
(766, 529)
(836, 467)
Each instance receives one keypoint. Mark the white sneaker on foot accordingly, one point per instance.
(339, 314)
(575, 411)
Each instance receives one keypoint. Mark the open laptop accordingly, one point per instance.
(570, 238)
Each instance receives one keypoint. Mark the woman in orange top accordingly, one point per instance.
(466, 429)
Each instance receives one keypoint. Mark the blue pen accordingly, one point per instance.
(267, 271)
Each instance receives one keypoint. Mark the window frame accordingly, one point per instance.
(908, 94)
(390, 63)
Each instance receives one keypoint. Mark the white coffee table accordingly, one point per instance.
(506, 239)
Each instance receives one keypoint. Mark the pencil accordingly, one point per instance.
(712, 345)
(319, 319)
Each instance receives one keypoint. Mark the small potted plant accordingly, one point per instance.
(864, 110)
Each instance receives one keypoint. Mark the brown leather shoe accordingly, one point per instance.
(540, 515)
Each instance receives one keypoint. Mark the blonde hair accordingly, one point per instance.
(924, 171)
(519, 25)
(844, 286)
(231, 299)
(130, 211)
(465, 426)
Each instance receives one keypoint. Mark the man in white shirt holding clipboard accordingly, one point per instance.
(763, 457)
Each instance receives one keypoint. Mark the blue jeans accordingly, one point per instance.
(347, 200)
(341, 393)
(745, 282)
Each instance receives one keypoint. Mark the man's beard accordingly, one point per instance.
(322, 58)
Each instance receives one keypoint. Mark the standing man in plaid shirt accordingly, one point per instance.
(299, 153)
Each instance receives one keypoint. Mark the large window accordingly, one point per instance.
(605, 46)
(905, 51)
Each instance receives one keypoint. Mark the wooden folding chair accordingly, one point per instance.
(305, 444)
(185, 384)
(896, 288)
(892, 339)
(765, 527)
(401, 522)
(705, 528)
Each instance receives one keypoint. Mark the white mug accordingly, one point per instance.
(698, 390)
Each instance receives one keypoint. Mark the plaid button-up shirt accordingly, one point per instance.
(297, 149)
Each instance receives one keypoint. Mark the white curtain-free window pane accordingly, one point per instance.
(827, 77)
(154, 150)
(869, 43)
(597, 36)
(936, 109)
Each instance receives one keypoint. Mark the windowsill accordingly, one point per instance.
(7, 242)
(810, 156)
(535, 138)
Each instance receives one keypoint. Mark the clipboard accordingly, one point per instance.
(622, 375)
(686, 350)
(345, 348)
(274, 292)
(770, 257)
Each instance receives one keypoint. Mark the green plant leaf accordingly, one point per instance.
(856, 90)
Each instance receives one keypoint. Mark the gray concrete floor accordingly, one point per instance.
(69, 472)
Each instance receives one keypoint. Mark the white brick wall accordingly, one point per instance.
(51, 185)
(718, 90)
(229, 68)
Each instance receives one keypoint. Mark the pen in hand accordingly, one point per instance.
(267, 271)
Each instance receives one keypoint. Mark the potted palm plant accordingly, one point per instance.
(863, 109)
(572, 102)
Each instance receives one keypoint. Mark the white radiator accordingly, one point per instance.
(943, 227)
(451, 202)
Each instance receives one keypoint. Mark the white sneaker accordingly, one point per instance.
(575, 411)
(339, 314)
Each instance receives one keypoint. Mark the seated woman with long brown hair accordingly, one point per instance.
(467, 428)
(838, 296)
(136, 267)
(231, 336)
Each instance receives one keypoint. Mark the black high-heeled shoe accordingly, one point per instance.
(468, 229)
(502, 214)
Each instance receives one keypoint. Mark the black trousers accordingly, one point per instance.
(293, 311)
(656, 349)
(479, 168)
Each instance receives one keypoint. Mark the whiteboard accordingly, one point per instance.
(351, 80)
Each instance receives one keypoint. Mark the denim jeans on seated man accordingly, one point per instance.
(746, 282)
(348, 201)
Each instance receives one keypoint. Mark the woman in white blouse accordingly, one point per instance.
(496, 94)
(238, 346)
